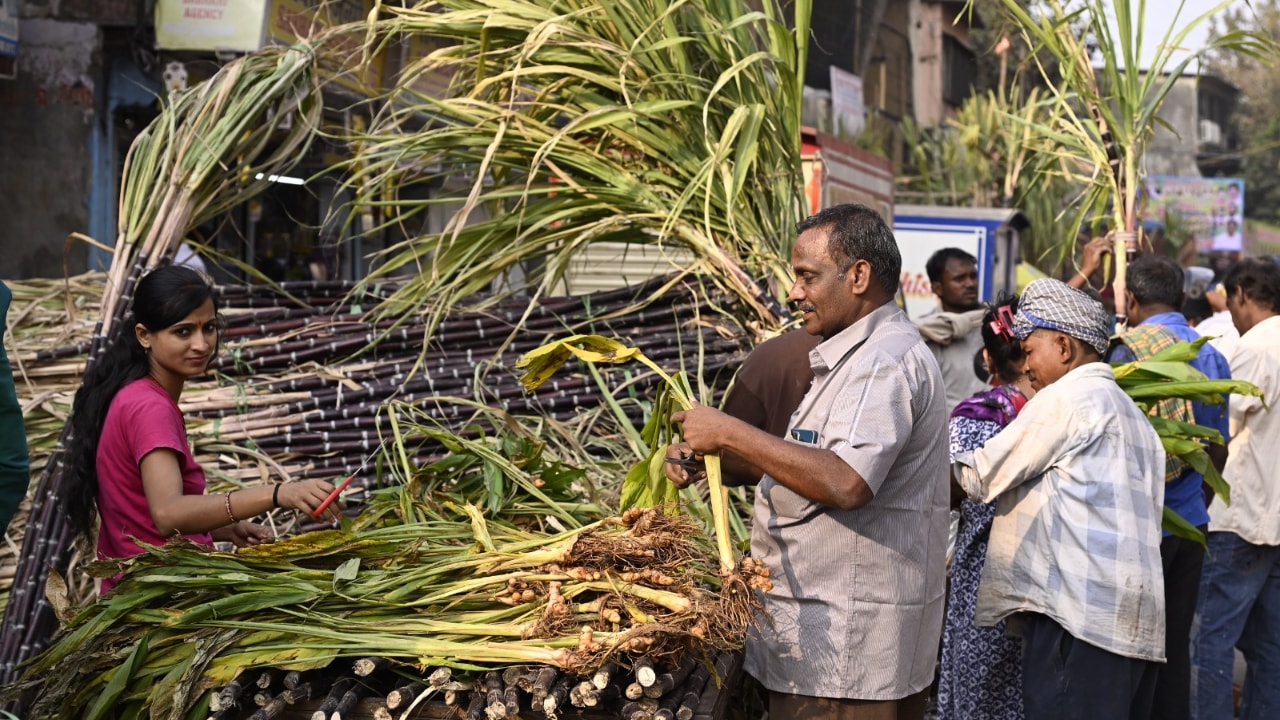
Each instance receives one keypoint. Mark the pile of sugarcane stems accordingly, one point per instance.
(45, 313)
(373, 686)
(300, 385)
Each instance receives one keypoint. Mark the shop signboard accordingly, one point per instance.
(211, 25)
(289, 21)
(1212, 209)
(848, 111)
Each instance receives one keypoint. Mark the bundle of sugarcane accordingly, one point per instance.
(44, 314)
(450, 588)
(265, 419)
(575, 122)
(323, 423)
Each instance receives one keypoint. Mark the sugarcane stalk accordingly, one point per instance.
(511, 699)
(404, 695)
(292, 680)
(642, 709)
(604, 676)
(668, 681)
(542, 685)
(271, 709)
(440, 677)
(330, 703)
(475, 709)
(495, 705)
(594, 697)
(229, 696)
(347, 702)
(667, 707)
(691, 693)
(558, 698)
(364, 667)
(644, 671)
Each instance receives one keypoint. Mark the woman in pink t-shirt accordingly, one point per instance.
(128, 456)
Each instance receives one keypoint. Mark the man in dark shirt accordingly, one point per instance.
(769, 387)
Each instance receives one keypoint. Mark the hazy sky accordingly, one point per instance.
(1159, 17)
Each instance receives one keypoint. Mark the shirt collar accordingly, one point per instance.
(1093, 369)
(1268, 326)
(827, 355)
(1166, 318)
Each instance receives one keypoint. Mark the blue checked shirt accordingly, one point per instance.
(1078, 478)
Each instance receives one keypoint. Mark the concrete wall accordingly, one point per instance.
(47, 117)
(1175, 154)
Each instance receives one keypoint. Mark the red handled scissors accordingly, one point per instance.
(342, 486)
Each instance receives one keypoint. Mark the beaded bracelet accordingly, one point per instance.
(275, 496)
(226, 498)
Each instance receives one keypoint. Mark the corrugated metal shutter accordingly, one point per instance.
(612, 265)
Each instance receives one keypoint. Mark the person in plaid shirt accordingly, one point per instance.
(1074, 556)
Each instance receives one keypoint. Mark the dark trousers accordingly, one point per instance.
(1183, 561)
(783, 706)
(1064, 678)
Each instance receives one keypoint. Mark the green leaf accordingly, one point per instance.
(1178, 526)
(105, 704)
(1206, 391)
(1177, 429)
(347, 571)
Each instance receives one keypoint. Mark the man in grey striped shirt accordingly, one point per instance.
(851, 514)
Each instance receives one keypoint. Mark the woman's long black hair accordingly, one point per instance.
(162, 298)
(1004, 350)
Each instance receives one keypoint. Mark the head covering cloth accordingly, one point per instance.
(1053, 305)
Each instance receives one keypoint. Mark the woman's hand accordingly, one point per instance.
(243, 534)
(307, 495)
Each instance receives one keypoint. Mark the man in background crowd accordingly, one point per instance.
(1219, 327)
(1239, 603)
(1154, 292)
(952, 332)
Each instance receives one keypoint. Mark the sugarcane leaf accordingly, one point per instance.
(1179, 527)
(1178, 429)
(634, 438)
(1180, 446)
(242, 602)
(1210, 392)
(347, 570)
(543, 362)
(105, 704)
(1137, 373)
(494, 489)
(479, 527)
(1212, 478)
